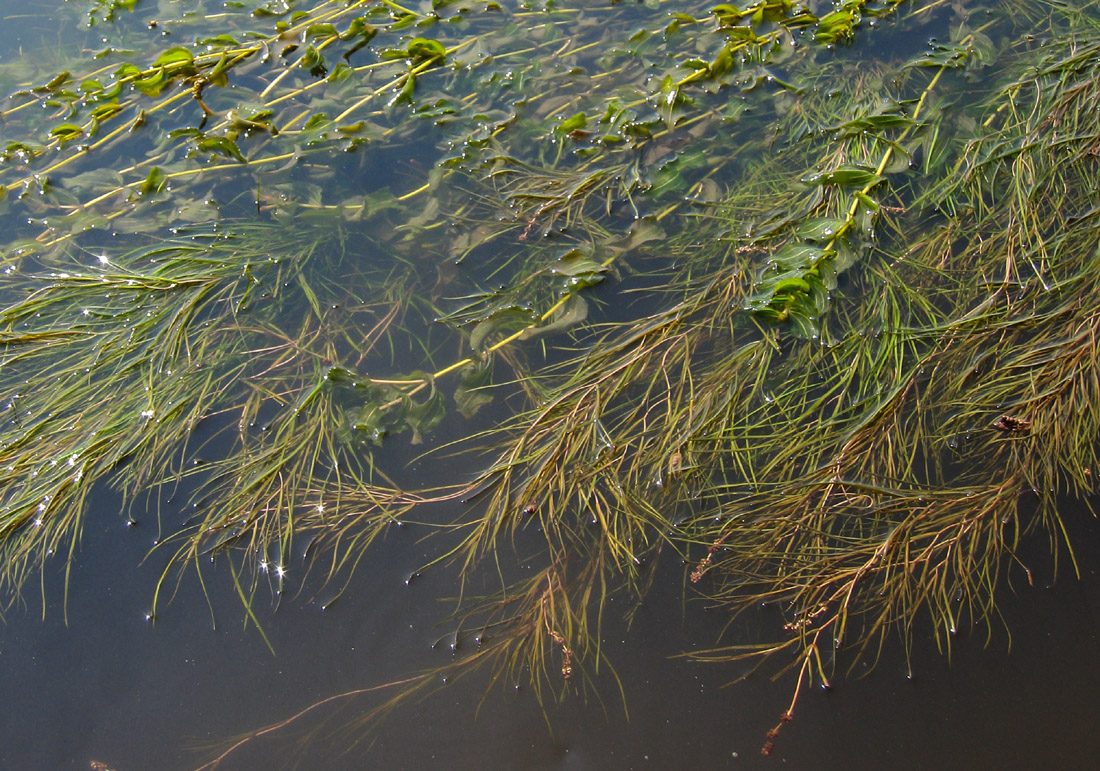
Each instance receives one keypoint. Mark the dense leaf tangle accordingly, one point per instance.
(687, 279)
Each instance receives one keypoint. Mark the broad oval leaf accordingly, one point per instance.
(844, 176)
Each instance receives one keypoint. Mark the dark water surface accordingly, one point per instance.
(96, 680)
(110, 686)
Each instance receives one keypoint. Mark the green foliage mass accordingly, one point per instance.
(685, 279)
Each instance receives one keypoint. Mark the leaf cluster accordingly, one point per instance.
(817, 326)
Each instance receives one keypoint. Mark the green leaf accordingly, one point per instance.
(218, 40)
(272, 8)
(317, 121)
(571, 124)
(359, 28)
(422, 417)
(941, 55)
(372, 423)
(797, 256)
(314, 31)
(313, 61)
(53, 83)
(844, 176)
(153, 84)
(870, 203)
(836, 27)
(473, 391)
(67, 132)
(338, 374)
(106, 111)
(642, 231)
(154, 183)
(568, 316)
(580, 270)
(221, 146)
(216, 76)
(501, 320)
(174, 56)
(722, 63)
(21, 152)
(94, 181)
(406, 93)
(877, 123)
(820, 229)
(422, 49)
(726, 15)
(795, 286)
(404, 22)
(790, 285)
(359, 31)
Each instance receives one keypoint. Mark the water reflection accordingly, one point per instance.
(110, 686)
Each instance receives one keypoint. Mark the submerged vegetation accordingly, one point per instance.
(684, 279)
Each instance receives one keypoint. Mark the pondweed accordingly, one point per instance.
(678, 278)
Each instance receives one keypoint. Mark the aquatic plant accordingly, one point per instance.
(818, 326)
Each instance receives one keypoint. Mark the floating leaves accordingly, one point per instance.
(791, 289)
(795, 284)
(579, 270)
(555, 215)
(105, 11)
(377, 409)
